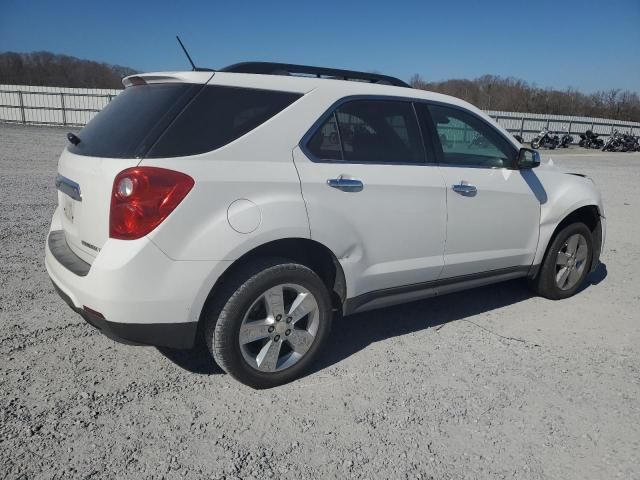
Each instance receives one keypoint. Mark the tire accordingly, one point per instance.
(247, 297)
(549, 281)
(535, 143)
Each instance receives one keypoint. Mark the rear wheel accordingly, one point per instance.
(566, 263)
(269, 322)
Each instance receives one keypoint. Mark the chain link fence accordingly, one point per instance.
(76, 106)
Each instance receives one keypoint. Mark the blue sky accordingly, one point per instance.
(584, 44)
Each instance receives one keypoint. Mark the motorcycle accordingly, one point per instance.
(631, 143)
(615, 143)
(566, 140)
(589, 139)
(545, 139)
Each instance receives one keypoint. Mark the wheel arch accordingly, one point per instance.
(588, 214)
(305, 251)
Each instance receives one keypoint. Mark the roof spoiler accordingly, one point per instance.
(199, 76)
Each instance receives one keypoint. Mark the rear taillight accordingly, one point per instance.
(142, 198)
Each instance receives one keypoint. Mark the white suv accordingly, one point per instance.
(246, 207)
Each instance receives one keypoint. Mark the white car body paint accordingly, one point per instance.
(494, 229)
(565, 193)
(391, 233)
(244, 216)
(405, 227)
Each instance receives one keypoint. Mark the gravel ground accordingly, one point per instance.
(491, 383)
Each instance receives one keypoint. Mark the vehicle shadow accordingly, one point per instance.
(595, 277)
(196, 360)
(356, 332)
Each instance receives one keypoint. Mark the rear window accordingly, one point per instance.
(131, 123)
(171, 120)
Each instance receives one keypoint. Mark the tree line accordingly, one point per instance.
(488, 92)
(491, 92)
(53, 70)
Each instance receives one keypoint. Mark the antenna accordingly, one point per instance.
(193, 66)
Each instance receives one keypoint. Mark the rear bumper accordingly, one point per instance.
(174, 335)
(133, 292)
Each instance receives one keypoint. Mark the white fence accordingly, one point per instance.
(52, 105)
(529, 124)
(76, 106)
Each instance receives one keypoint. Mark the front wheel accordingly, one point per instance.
(535, 143)
(268, 322)
(566, 263)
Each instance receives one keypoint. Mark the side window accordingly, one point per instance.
(380, 131)
(217, 116)
(467, 140)
(325, 143)
(376, 131)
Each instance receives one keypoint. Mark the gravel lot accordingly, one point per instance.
(491, 383)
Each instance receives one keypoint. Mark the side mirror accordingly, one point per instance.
(528, 158)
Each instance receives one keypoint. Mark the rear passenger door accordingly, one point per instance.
(373, 194)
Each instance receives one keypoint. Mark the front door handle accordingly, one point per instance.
(465, 189)
(346, 184)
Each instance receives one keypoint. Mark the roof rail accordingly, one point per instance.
(268, 68)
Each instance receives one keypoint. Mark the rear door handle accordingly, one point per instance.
(465, 189)
(346, 184)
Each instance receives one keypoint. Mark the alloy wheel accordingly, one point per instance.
(571, 261)
(279, 328)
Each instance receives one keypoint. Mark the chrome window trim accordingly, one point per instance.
(306, 138)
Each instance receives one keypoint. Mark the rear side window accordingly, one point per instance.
(130, 124)
(325, 144)
(376, 131)
(218, 116)
(172, 120)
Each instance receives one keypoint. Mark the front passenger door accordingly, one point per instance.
(493, 215)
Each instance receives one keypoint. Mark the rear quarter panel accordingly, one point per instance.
(257, 167)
